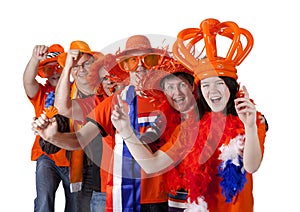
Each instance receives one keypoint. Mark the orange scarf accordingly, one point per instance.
(76, 156)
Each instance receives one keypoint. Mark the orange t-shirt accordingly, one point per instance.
(38, 102)
(151, 187)
(87, 105)
(107, 153)
(244, 200)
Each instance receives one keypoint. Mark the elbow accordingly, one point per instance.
(251, 169)
(150, 170)
(71, 147)
(74, 145)
(252, 159)
(64, 111)
(154, 171)
(157, 166)
(252, 166)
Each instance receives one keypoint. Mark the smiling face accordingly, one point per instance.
(109, 86)
(81, 69)
(178, 91)
(215, 93)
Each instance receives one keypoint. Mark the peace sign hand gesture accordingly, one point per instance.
(120, 118)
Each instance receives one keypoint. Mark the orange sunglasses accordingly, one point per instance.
(130, 63)
(50, 69)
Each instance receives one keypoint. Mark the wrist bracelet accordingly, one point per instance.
(128, 136)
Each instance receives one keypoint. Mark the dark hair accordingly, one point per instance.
(184, 75)
(233, 87)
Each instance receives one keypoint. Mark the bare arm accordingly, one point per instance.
(150, 162)
(252, 151)
(30, 84)
(252, 155)
(47, 129)
(63, 100)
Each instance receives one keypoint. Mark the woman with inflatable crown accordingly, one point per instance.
(218, 166)
(230, 123)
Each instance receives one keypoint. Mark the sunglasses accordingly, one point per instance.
(130, 63)
(50, 69)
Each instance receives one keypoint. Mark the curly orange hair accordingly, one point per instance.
(108, 61)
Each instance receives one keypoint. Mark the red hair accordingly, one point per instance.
(108, 61)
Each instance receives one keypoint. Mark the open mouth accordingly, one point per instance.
(82, 74)
(179, 100)
(215, 99)
(55, 77)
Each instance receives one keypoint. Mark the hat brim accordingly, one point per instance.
(146, 50)
(151, 84)
(63, 56)
(49, 60)
(42, 65)
(152, 81)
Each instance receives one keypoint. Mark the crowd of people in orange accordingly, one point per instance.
(146, 128)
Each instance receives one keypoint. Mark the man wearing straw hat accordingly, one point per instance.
(77, 63)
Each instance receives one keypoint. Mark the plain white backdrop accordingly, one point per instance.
(270, 72)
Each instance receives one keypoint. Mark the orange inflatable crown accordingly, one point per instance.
(212, 64)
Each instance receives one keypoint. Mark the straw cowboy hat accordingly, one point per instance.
(140, 43)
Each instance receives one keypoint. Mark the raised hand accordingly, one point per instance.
(120, 118)
(246, 109)
(72, 56)
(40, 52)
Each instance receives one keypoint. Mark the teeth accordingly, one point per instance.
(214, 99)
(178, 100)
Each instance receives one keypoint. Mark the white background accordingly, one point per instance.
(270, 73)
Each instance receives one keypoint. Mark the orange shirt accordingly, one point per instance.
(38, 102)
(87, 105)
(244, 200)
(151, 187)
